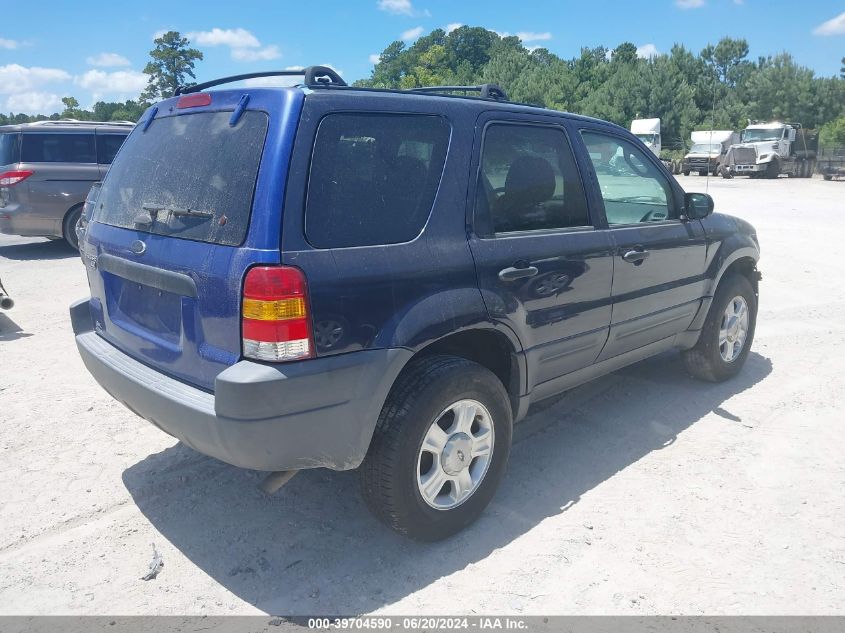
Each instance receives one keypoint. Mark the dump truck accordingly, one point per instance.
(708, 151)
(767, 150)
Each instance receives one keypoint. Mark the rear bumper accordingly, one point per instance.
(316, 413)
(15, 220)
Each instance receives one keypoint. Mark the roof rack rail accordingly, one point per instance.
(78, 122)
(314, 77)
(486, 91)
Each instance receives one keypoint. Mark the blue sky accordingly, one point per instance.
(60, 49)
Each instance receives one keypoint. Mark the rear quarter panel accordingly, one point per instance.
(395, 295)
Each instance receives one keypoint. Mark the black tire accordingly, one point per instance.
(726, 172)
(827, 177)
(702, 172)
(69, 227)
(773, 169)
(388, 475)
(685, 172)
(705, 361)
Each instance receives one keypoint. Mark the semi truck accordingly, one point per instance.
(708, 151)
(767, 150)
(648, 131)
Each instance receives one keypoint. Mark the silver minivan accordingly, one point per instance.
(46, 170)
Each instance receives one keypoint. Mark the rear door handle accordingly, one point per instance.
(635, 257)
(512, 273)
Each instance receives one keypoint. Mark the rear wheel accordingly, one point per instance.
(69, 227)
(439, 449)
(727, 334)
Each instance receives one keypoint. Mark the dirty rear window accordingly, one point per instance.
(9, 152)
(189, 176)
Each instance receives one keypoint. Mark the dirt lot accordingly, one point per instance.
(643, 492)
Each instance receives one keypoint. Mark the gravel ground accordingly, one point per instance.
(643, 492)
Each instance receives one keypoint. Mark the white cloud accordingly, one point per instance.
(399, 7)
(253, 54)
(276, 82)
(375, 58)
(233, 38)
(647, 50)
(8, 44)
(834, 26)
(33, 103)
(15, 78)
(243, 45)
(689, 4)
(531, 36)
(120, 82)
(107, 60)
(452, 26)
(411, 34)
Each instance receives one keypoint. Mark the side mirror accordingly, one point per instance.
(698, 205)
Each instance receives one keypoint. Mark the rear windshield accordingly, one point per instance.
(188, 176)
(373, 178)
(58, 148)
(9, 149)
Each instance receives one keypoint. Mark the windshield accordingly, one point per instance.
(705, 148)
(189, 176)
(753, 136)
(648, 139)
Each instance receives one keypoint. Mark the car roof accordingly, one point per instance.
(429, 101)
(68, 125)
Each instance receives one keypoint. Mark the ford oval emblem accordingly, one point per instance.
(138, 247)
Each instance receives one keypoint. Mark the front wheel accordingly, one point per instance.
(727, 334)
(439, 449)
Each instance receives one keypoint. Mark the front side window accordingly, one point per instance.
(632, 188)
(373, 178)
(58, 148)
(528, 181)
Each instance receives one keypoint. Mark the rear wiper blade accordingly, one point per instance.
(194, 213)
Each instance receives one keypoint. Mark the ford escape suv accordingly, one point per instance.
(46, 170)
(329, 276)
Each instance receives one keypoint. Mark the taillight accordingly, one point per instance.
(9, 178)
(276, 324)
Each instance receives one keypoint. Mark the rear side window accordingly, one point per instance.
(189, 176)
(58, 148)
(9, 149)
(373, 178)
(107, 146)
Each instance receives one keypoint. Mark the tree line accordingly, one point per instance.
(718, 87)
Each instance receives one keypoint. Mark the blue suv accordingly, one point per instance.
(339, 277)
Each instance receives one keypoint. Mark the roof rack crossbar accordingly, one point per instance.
(486, 91)
(314, 76)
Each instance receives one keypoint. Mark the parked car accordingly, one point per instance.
(46, 170)
(462, 257)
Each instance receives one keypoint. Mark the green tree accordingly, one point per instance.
(71, 110)
(171, 65)
(625, 53)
